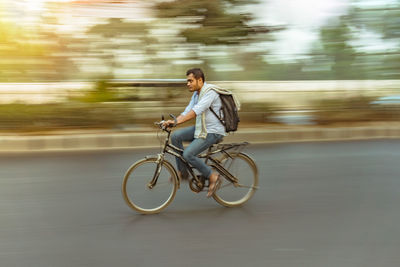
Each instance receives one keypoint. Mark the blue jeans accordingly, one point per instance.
(196, 146)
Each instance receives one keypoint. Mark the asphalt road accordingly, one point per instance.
(319, 204)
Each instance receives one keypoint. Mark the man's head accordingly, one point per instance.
(195, 79)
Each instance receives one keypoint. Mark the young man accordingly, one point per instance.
(207, 131)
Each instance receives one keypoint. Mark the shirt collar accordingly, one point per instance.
(196, 93)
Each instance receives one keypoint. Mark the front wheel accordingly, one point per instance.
(245, 170)
(138, 193)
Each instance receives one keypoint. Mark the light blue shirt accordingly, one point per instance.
(210, 99)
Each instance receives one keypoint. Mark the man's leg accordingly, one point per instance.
(177, 139)
(196, 147)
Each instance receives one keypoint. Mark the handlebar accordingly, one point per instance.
(161, 123)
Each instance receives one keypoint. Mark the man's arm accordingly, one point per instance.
(181, 118)
(184, 118)
(190, 105)
(197, 109)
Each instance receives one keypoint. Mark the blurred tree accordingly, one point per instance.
(59, 51)
(335, 44)
(385, 22)
(360, 45)
(215, 26)
(364, 44)
(34, 55)
(119, 35)
(210, 21)
(382, 22)
(382, 18)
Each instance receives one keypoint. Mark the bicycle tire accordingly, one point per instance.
(139, 196)
(245, 170)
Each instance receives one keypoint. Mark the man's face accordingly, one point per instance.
(193, 84)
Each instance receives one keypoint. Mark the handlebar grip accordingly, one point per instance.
(175, 120)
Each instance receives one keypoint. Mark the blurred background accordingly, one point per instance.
(113, 64)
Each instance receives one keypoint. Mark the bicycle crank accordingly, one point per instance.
(197, 186)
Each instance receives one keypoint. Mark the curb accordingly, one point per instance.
(95, 141)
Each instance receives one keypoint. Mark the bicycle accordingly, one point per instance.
(150, 184)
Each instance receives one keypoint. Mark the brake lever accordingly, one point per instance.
(159, 124)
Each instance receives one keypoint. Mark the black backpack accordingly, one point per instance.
(230, 116)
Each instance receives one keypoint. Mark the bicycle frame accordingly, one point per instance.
(177, 152)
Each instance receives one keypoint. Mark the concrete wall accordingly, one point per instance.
(286, 94)
(37, 93)
(300, 94)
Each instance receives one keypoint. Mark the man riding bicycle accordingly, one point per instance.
(208, 129)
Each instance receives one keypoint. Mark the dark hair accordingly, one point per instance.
(197, 73)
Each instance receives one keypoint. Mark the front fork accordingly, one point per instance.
(153, 182)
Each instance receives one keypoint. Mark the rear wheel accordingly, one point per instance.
(144, 198)
(245, 170)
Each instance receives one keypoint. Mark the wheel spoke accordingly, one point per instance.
(247, 186)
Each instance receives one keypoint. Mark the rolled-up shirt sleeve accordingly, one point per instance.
(191, 104)
(205, 102)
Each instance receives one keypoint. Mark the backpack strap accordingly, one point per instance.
(223, 123)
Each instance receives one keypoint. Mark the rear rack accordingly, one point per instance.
(218, 148)
(230, 146)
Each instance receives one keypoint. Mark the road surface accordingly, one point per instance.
(319, 204)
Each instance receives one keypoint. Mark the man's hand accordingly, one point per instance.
(180, 119)
(168, 123)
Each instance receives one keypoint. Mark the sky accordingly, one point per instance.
(303, 18)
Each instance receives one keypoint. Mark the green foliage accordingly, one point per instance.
(336, 48)
(257, 112)
(117, 27)
(102, 92)
(118, 34)
(216, 35)
(212, 24)
(22, 117)
(351, 110)
(353, 61)
(258, 107)
(27, 55)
